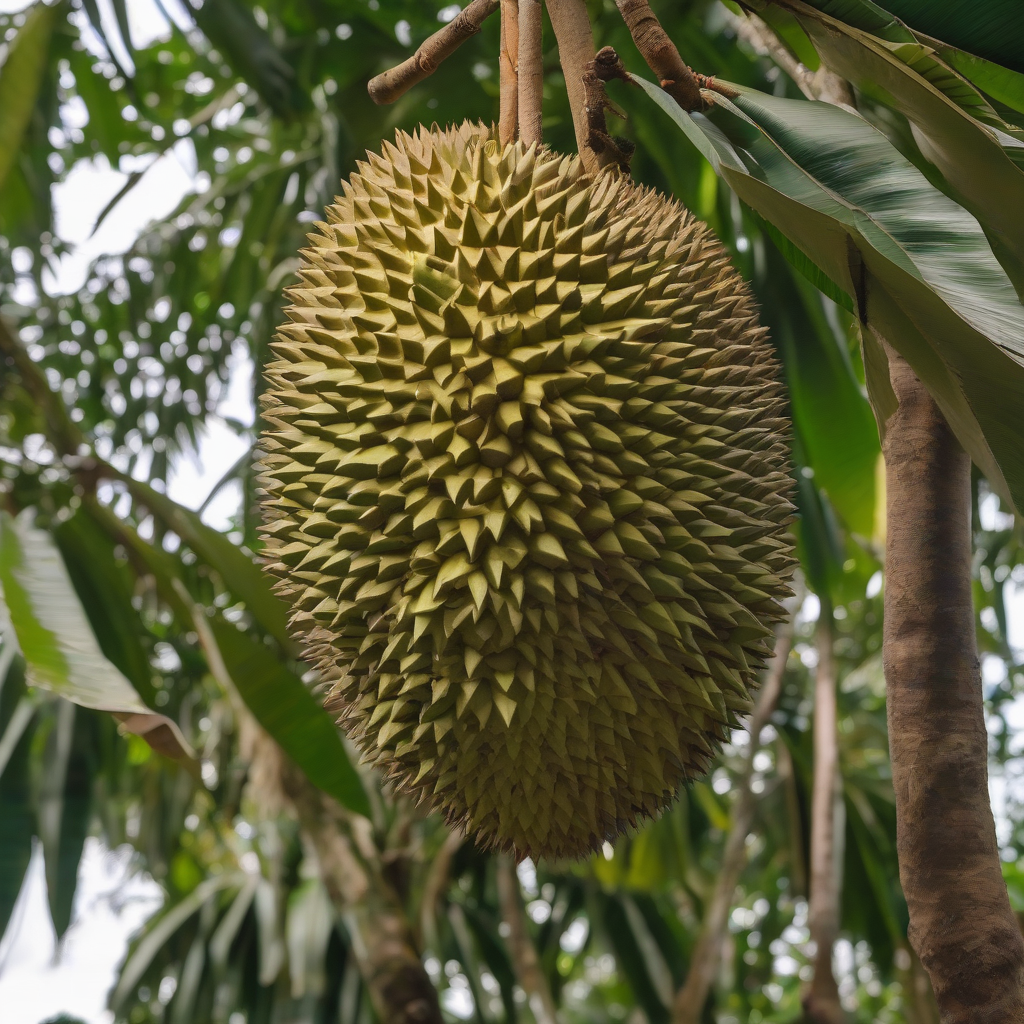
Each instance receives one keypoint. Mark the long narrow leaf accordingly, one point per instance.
(291, 714)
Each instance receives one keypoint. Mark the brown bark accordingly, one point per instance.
(508, 66)
(821, 1000)
(660, 53)
(961, 924)
(395, 82)
(521, 950)
(531, 71)
(707, 954)
(571, 22)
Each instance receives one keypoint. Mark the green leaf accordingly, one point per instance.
(158, 932)
(240, 574)
(20, 78)
(65, 807)
(45, 618)
(919, 266)
(283, 705)
(993, 29)
(106, 595)
(983, 164)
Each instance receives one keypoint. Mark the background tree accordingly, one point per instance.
(877, 225)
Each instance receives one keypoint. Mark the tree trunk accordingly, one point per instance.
(821, 1000)
(961, 924)
(382, 939)
(707, 953)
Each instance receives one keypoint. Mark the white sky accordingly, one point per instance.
(36, 983)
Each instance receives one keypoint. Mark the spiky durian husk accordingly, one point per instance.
(526, 486)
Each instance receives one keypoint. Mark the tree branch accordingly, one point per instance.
(660, 53)
(508, 66)
(392, 84)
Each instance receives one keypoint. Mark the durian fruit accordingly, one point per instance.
(526, 486)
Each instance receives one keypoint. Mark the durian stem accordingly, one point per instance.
(522, 952)
(688, 1005)
(821, 1000)
(531, 72)
(508, 66)
(389, 86)
(961, 923)
(660, 53)
(571, 22)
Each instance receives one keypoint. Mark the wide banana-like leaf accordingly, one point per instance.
(918, 265)
(44, 617)
(20, 78)
(993, 29)
(983, 162)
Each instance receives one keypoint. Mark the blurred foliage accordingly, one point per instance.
(265, 108)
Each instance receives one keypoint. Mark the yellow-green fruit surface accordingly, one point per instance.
(526, 486)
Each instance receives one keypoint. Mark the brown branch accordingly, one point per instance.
(392, 84)
(531, 72)
(707, 953)
(660, 53)
(821, 999)
(571, 22)
(508, 66)
(521, 951)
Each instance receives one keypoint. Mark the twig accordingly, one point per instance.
(822, 84)
(660, 53)
(508, 66)
(704, 963)
(531, 72)
(392, 84)
(571, 22)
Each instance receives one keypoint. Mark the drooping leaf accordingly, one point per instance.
(20, 77)
(53, 633)
(919, 266)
